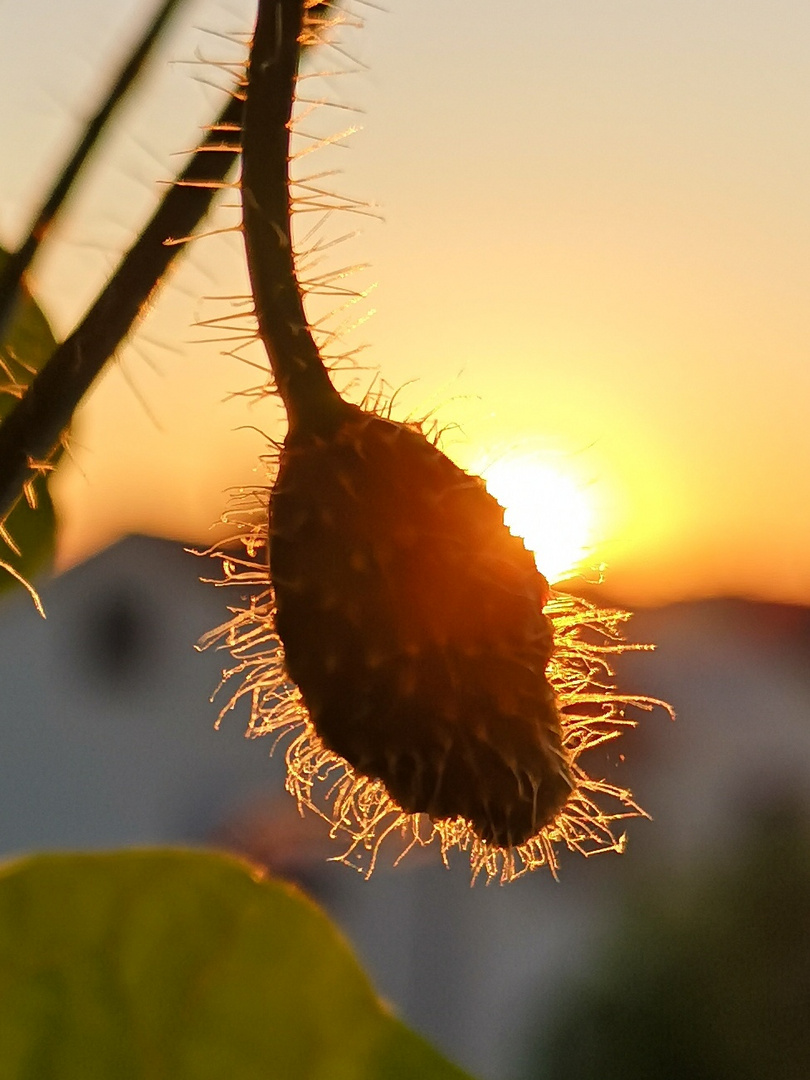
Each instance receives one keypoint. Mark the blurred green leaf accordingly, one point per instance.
(31, 526)
(181, 964)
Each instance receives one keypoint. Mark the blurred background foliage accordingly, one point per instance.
(706, 975)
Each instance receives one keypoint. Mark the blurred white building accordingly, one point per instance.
(107, 739)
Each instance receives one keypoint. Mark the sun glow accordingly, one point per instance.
(549, 508)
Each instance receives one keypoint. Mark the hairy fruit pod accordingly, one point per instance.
(412, 622)
(428, 682)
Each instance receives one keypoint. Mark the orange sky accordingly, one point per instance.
(596, 248)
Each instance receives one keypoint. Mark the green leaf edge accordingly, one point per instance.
(136, 1012)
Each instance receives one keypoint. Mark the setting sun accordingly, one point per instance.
(550, 509)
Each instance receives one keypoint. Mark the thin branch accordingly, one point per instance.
(34, 427)
(299, 372)
(18, 263)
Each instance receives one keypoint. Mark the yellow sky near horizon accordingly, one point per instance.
(596, 251)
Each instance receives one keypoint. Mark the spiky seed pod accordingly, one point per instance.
(412, 622)
(430, 694)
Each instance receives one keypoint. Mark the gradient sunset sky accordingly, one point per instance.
(595, 253)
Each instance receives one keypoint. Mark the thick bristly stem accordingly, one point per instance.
(34, 428)
(17, 264)
(301, 378)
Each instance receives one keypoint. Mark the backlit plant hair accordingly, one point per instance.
(431, 685)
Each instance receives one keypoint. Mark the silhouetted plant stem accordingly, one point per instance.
(34, 428)
(300, 375)
(18, 262)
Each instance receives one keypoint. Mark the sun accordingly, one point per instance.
(549, 508)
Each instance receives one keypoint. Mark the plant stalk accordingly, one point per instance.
(300, 375)
(33, 429)
(18, 263)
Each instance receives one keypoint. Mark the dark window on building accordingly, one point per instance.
(120, 638)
